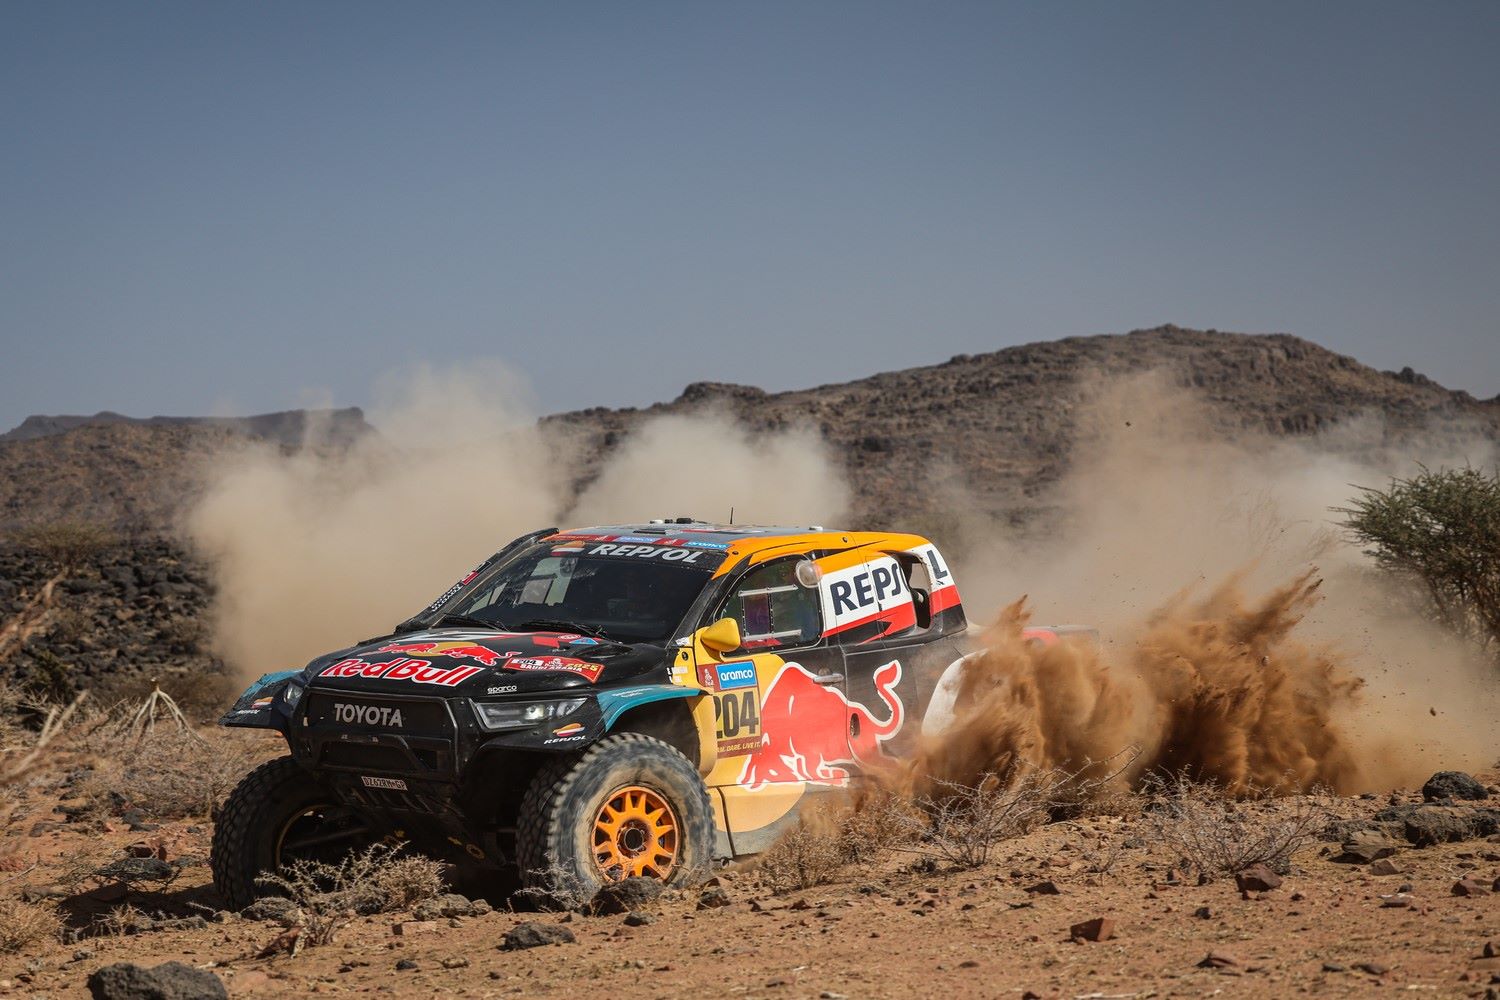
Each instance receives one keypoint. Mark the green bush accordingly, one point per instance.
(1441, 531)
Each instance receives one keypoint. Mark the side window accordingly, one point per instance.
(773, 609)
(919, 584)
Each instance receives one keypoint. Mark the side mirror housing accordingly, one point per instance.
(723, 636)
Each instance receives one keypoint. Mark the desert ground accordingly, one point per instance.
(1412, 918)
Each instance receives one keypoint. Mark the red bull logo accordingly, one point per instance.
(810, 730)
(402, 668)
(451, 650)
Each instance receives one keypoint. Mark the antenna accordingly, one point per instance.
(731, 515)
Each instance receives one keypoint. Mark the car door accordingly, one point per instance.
(779, 703)
(873, 619)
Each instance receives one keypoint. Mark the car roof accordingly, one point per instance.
(745, 541)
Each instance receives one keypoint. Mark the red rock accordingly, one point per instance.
(1257, 878)
(1469, 887)
(1097, 929)
(1385, 866)
(1044, 889)
(1373, 968)
(1492, 948)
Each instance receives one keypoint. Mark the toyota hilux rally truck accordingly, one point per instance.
(604, 702)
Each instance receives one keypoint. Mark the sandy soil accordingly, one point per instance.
(893, 933)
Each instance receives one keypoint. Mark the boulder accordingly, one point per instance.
(534, 935)
(168, 981)
(1097, 929)
(1257, 878)
(1453, 785)
(634, 893)
(713, 899)
(278, 909)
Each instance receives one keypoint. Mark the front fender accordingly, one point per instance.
(615, 703)
(262, 705)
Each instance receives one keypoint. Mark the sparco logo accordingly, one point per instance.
(367, 715)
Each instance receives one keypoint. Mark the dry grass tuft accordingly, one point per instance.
(23, 924)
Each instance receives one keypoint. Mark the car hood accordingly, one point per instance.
(469, 661)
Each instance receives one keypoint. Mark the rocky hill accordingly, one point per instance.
(1005, 420)
(287, 427)
(130, 475)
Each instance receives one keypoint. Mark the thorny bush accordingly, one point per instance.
(379, 879)
(1212, 834)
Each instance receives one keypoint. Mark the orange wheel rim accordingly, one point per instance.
(635, 833)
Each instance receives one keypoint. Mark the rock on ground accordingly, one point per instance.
(534, 935)
(168, 981)
(628, 894)
(1453, 785)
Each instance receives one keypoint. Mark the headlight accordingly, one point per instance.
(522, 715)
(291, 694)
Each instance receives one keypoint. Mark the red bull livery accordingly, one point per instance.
(642, 699)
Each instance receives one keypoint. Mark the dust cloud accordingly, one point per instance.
(1328, 677)
(707, 466)
(313, 550)
(1215, 689)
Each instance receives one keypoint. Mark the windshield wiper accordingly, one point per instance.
(558, 625)
(466, 620)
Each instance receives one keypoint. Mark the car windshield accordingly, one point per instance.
(617, 590)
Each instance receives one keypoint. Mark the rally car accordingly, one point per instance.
(604, 702)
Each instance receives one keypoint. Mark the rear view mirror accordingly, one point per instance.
(723, 636)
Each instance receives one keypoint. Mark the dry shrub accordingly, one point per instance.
(1212, 834)
(401, 881)
(170, 773)
(554, 888)
(808, 853)
(202, 693)
(23, 924)
(21, 760)
(64, 543)
(961, 823)
(379, 879)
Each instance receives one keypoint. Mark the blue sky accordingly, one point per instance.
(225, 207)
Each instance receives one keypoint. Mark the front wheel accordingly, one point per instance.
(631, 805)
(276, 816)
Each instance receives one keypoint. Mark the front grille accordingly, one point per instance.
(364, 757)
(378, 734)
(361, 713)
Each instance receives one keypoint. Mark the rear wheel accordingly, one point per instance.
(630, 806)
(276, 816)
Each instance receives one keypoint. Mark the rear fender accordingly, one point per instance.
(264, 704)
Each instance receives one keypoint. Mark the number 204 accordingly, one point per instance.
(737, 712)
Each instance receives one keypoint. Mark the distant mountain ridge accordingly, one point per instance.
(286, 427)
(1002, 424)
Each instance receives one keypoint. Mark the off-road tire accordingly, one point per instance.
(560, 805)
(244, 845)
